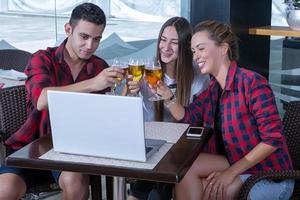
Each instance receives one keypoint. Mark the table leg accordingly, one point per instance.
(119, 188)
(109, 187)
(96, 187)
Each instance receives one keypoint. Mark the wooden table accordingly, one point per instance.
(274, 30)
(170, 169)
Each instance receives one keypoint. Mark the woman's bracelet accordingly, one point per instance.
(170, 101)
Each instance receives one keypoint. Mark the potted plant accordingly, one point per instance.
(293, 14)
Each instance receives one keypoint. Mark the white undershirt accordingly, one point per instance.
(169, 81)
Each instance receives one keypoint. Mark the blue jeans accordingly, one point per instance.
(268, 189)
(31, 176)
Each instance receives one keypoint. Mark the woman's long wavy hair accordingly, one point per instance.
(184, 63)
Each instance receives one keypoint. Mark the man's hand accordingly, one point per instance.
(107, 78)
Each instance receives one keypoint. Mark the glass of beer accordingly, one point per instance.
(122, 65)
(153, 74)
(136, 69)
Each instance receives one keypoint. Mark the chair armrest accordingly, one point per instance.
(1, 136)
(274, 175)
(7, 151)
(2, 151)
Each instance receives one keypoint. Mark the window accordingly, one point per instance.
(284, 74)
(31, 25)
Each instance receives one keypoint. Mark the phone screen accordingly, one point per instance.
(195, 132)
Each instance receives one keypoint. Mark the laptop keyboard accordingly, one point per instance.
(152, 145)
(148, 149)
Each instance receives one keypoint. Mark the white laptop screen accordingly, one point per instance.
(97, 125)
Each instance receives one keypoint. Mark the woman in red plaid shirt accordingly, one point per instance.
(240, 106)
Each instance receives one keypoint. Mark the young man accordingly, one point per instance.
(69, 67)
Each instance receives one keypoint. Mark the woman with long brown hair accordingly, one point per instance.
(178, 72)
(185, 80)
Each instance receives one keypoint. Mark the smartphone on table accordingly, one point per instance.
(195, 132)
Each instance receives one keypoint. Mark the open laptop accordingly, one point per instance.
(99, 125)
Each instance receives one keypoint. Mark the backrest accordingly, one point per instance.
(13, 114)
(12, 109)
(291, 122)
(14, 59)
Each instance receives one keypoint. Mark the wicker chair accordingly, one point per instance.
(14, 59)
(12, 106)
(12, 115)
(291, 121)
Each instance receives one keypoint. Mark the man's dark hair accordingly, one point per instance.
(88, 12)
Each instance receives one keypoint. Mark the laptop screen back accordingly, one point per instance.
(97, 125)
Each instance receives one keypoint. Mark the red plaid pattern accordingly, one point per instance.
(47, 68)
(249, 116)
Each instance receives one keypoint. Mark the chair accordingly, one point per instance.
(291, 122)
(12, 115)
(12, 109)
(14, 59)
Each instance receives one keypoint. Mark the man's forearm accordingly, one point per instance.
(83, 86)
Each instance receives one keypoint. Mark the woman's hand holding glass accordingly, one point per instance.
(163, 90)
(153, 74)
